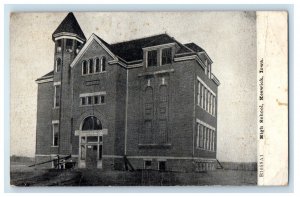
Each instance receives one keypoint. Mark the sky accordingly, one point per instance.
(229, 38)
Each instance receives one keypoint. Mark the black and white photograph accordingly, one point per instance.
(137, 98)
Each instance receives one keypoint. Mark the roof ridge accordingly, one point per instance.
(138, 38)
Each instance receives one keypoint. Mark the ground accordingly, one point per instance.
(21, 175)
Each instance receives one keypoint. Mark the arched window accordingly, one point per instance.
(103, 62)
(148, 102)
(84, 67)
(58, 64)
(91, 123)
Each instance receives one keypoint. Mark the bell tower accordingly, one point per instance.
(68, 39)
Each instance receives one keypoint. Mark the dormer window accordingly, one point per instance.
(152, 58)
(166, 56)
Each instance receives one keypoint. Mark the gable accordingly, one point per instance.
(94, 46)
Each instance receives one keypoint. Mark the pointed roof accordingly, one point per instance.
(69, 26)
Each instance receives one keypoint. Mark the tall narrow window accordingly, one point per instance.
(205, 98)
(147, 138)
(208, 102)
(202, 95)
(199, 93)
(214, 106)
(58, 46)
(207, 138)
(56, 95)
(201, 136)
(103, 63)
(69, 45)
(148, 99)
(84, 67)
(204, 138)
(91, 66)
(97, 65)
(213, 140)
(152, 58)
(162, 132)
(198, 135)
(55, 130)
(58, 64)
(166, 57)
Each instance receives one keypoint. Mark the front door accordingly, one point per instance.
(91, 156)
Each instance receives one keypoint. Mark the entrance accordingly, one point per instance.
(91, 156)
(90, 143)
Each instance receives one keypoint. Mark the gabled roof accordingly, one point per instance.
(194, 47)
(69, 25)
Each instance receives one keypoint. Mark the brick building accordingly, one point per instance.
(153, 100)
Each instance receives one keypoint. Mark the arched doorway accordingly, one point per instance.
(91, 143)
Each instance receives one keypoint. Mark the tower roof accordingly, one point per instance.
(69, 26)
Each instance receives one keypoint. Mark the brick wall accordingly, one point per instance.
(44, 118)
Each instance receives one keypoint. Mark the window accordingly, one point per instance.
(91, 66)
(208, 102)
(152, 58)
(69, 45)
(166, 56)
(207, 138)
(204, 141)
(58, 46)
(89, 100)
(147, 164)
(205, 98)
(214, 106)
(92, 139)
(97, 65)
(201, 144)
(56, 96)
(96, 100)
(92, 99)
(162, 131)
(91, 123)
(162, 165)
(103, 62)
(148, 102)
(198, 135)
(55, 130)
(83, 101)
(163, 93)
(58, 64)
(202, 95)
(102, 99)
(213, 140)
(84, 67)
(199, 93)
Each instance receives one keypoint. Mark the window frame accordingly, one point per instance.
(54, 133)
(152, 58)
(55, 96)
(164, 56)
